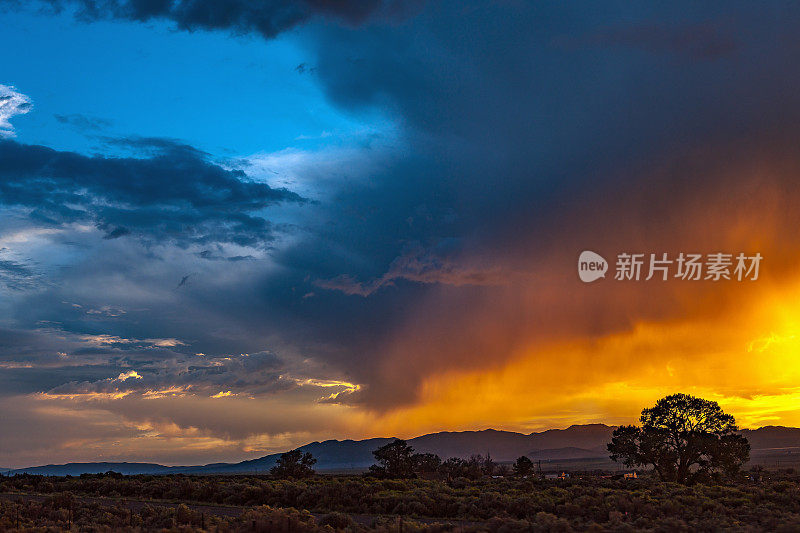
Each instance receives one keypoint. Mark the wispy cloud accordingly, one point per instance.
(419, 265)
(12, 103)
(83, 122)
(17, 274)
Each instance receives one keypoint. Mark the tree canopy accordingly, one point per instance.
(398, 460)
(523, 466)
(685, 439)
(395, 460)
(294, 464)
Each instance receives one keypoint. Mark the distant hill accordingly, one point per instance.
(502, 445)
(508, 445)
(75, 469)
(772, 437)
(585, 443)
(330, 455)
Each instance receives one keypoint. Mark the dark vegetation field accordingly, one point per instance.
(357, 503)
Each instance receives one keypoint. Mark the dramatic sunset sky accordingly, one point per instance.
(232, 228)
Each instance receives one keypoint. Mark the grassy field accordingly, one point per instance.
(357, 503)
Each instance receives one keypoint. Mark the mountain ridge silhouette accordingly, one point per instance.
(576, 442)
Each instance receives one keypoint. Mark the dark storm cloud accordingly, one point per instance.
(519, 124)
(701, 41)
(509, 138)
(506, 126)
(266, 18)
(174, 193)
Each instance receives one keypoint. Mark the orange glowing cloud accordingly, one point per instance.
(746, 358)
(545, 350)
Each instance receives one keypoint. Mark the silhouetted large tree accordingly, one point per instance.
(395, 460)
(685, 439)
(294, 464)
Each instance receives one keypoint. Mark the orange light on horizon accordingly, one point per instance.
(746, 357)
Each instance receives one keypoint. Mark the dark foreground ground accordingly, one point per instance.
(355, 503)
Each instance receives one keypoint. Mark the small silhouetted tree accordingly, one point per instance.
(685, 439)
(488, 466)
(395, 460)
(474, 467)
(523, 466)
(294, 464)
(453, 467)
(426, 463)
